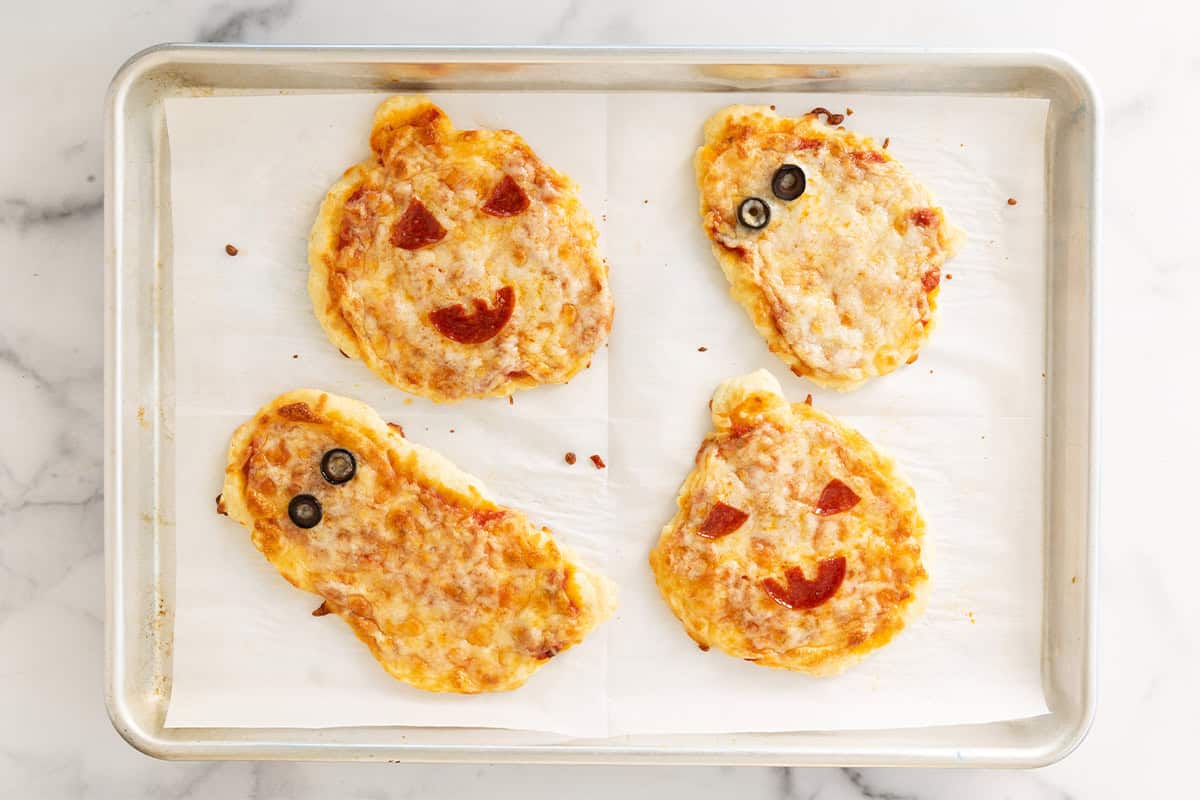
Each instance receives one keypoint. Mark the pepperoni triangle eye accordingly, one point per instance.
(835, 498)
(416, 228)
(507, 199)
(722, 520)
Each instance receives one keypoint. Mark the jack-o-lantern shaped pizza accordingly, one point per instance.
(450, 591)
(796, 544)
(456, 264)
(832, 247)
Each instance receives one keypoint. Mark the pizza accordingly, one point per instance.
(449, 590)
(455, 263)
(831, 246)
(796, 543)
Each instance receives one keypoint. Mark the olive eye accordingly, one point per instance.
(304, 511)
(789, 182)
(754, 213)
(338, 466)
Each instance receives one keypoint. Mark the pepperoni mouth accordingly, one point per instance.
(483, 322)
(802, 593)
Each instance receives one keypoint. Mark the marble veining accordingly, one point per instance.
(859, 781)
(236, 25)
(55, 741)
(24, 214)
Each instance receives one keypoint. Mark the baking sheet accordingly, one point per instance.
(965, 422)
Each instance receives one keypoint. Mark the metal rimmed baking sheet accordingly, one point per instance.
(140, 376)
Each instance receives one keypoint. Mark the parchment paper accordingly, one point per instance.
(965, 422)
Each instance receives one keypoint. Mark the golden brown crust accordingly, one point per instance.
(780, 466)
(432, 228)
(842, 282)
(450, 591)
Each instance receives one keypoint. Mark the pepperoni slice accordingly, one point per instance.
(923, 217)
(472, 327)
(803, 593)
(722, 520)
(507, 199)
(835, 498)
(416, 228)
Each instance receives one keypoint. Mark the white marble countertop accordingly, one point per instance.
(55, 740)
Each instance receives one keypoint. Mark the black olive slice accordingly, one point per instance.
(754, 213)
(789, 182)
(338, 466)
(304, 511)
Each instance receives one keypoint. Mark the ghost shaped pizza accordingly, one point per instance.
(450, 591)
(832, 247)
(456, 264)
(796, 544)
